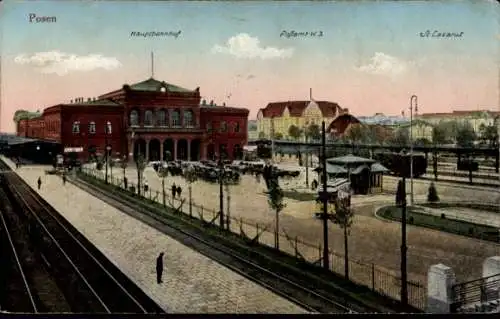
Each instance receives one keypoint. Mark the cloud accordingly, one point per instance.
(55, 62)
(247, 47)
(384, 64)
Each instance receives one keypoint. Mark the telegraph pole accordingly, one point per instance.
(404, 288)
(413, 97)
(326, 262)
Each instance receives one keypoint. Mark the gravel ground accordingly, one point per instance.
(193, 283)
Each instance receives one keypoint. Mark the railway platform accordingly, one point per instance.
(192, 283)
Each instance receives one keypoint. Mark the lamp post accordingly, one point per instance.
(324, 197)
(307, 158)
(413, 97)
(404, 288)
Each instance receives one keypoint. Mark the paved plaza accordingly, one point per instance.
(372, 240)
(192, 282)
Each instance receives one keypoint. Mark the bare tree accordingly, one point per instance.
(190, 176)
(140, 163)
(343, 216)
(275, 200)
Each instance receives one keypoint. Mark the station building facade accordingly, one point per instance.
(158, 120)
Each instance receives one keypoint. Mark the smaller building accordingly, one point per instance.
(364, 174)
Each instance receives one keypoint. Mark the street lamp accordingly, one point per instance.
(221, 190)
(324, 196)
(413, 97)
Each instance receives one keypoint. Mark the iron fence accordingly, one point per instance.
(376, 278)
(480, 291)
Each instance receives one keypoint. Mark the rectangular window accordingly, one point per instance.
(223, 126)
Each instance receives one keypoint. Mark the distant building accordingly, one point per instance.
(253, 132)
(381, 119)
(475, 118)
(282, 115)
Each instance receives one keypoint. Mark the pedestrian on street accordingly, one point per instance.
(159, 268)
(146, 187)
(39, 182)
(174, 190)
(64, 178)
(179, 191)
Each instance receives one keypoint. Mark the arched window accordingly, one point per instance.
(76, 127)
(134, 118)
(176, 118)
(109, 128)
(223, 126)
(188, 118)
(161, 118)
(236, 127)
(92, 127)
(148, 118)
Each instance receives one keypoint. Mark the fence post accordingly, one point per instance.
(296, 250)
(257, 227)
(241, 224)
(202, 219)
(320, 251)
(373, 276)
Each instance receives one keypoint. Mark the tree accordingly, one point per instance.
(356, 133)
(439, 135)
(422, 141)
(489, 135)
(25, 115)
(313, 131)
(432, 195)
(343, 216)
(190, 176)
(123, 165)
(111, 165)
(294, 132)
(278, 136)
(162, 173)
(401, 137)
(262, 135)
(140, 163)
(465, 135)
(275, 200)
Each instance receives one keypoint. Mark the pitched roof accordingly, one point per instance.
(152, 85)
(296, 108)
(349, 159)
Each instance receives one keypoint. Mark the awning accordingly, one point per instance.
(359, 169)
(332, 169)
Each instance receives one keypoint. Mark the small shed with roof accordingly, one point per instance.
(364, 174)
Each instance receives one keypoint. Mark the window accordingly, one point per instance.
(176, 118)
(188, 118)
(109, 128)
(148, 118)
(92, 127)
(209, 126)
(236, 127)
(134, 118)
(223, 126)
(161, 118)
(76, 127)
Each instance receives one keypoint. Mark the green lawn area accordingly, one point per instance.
(443, 224)
(303, 197)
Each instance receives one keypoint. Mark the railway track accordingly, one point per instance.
(54, 268)
(307, 291)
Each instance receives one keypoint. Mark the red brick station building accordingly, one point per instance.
(149, 118)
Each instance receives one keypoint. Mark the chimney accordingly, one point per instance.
(71, 101)
(224, 104)
(212, 103)
(204, 102)
(89, 99)
(94, 99)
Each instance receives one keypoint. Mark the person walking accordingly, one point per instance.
(174, 191)
(179, 191)
(64, 178)
(159, 268)
(39, 183)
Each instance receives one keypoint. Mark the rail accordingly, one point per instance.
(480, 290)
(18, 264)
(48, 210)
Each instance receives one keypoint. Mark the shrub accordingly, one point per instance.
(432, 195)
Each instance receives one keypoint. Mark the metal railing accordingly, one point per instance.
(481, 290)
